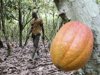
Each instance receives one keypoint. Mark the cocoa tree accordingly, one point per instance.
(86, 11)
(20, 23)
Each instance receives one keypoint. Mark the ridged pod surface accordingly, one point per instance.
(72, 46)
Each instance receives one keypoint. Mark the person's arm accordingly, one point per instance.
(43, 35)
(42, 31)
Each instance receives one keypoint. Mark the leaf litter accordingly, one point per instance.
(20, 61)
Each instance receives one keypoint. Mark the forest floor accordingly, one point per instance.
(20, 61)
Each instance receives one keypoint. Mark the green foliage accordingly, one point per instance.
(97, 1)
(48, 13)
(11, 16)
(46, 10)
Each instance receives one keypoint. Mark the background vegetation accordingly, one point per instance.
(17, 17)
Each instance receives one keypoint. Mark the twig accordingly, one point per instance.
(42, 65)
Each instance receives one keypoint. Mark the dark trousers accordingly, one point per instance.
(35, 43)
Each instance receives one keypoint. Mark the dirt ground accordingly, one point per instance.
(21, 63)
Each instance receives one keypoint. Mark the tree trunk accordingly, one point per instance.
(1, 44)
(20, 24)
(0, 17)
(3, 27)
(86, 11)
(0, 21)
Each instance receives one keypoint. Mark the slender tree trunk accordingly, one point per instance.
(0, 17)
(1, 44)
(86, 11)
(3, 27)
(20, 24)
(0, 21)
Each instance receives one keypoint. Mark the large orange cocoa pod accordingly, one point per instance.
(72, 46)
